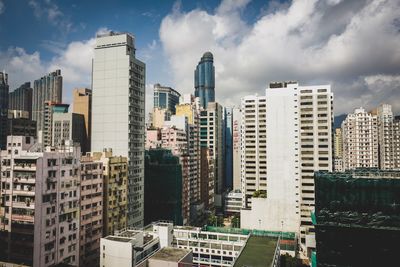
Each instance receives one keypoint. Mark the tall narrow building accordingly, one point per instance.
(385, 121)
(118, 118)
(47, 88)
(236, 148)
(228, 149)
(204, 80)
(82, 104)
(3, 109)
(21, 98)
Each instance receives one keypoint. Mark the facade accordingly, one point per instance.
(165, 98)
(384, 123)
(211, 137)
(362, 228)
(82, 104)
(204, 80)
(236, 148)
(171, 257)
(45, 136)
(286, 137)
(395, 134)
(163, 173)
(68, 126)
(3, 109)
(118, 111)
(21, 127)
(115, 190)
(338, 150)
(228, 184)
(47, 88)
(91, 211)
(233, 202)
(253, 147)
(360, 140)
(39, 203)
(153, 138)
(21, 99)
(159, 116)
(207, 179)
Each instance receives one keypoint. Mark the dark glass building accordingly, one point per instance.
(165, 97)
(162, 187)
(3, 109)
(204, 80)
(21, 98)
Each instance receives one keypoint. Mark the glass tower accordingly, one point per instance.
(165, 97)
(204, 80)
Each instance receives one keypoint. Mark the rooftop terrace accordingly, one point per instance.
(258, 252)
(170, 254)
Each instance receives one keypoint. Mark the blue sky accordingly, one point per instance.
(352, 45)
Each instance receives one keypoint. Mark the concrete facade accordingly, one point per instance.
(118, 117)
(82, 104)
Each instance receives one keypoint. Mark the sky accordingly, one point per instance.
(354, 45)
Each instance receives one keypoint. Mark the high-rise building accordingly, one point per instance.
(286, 138)
(207, 179)
(21, 98)
(21, 127)
(163, 187)
(360, 140)
(165, 97)
(236, 148)
(39, 210)
(228, 184)
(47, 88)
(45, 136)
(338, 150)
(118, 111)
(115, 188)
(82, 104)
(159, 116)
(395, 135)
(211, 137)
(68, 126)
(384, 121)
(204, 80)
(3, 109)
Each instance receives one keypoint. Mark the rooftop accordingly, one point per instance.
(259, 251)
(170, 254)
(118, 239)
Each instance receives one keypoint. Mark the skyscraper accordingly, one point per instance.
(165, 97)
(204, 80)
(82, 99)
(47, 88)
(3, 109)
(21, 98)
(228, 148)
(118, 118)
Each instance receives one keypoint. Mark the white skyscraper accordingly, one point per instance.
(118, 111)
(286, 137)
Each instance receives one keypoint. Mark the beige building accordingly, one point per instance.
(338, 150)
(360, 140)
(159, 116)
(115, 188)
(82, 104)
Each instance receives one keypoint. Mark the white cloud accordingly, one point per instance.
(52, 13)
(1, 7)
(345, 43)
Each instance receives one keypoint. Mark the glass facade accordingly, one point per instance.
(3, 109)
(165, 98)
(204, 80)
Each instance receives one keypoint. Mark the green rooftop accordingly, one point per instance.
(258, 252)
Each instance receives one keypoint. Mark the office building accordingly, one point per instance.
(211, 137)
(204, 80)
(360, 140)
(165, 98)
(228, 159)
(164, 188)
(236, 148)
(47, 88)
(45, 136)
(362, 227)
(91, 211)
(82, 104)
(68, 126)
(291, 129)
(39, 203)
(21, 127)
(115, 188)
(3, 109)
(21, 99)
(118, 111)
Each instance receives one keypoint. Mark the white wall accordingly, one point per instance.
(115, 253)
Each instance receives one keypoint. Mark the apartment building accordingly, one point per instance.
(395, 134)
(82, 104)
(338, 150)
(45, 134)
(39, 210)
(91, 211)
(360, 140)
(115, 190)
(68, 126)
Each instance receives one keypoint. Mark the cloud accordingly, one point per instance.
(52, 13)
(2, 7)
(354, 45)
